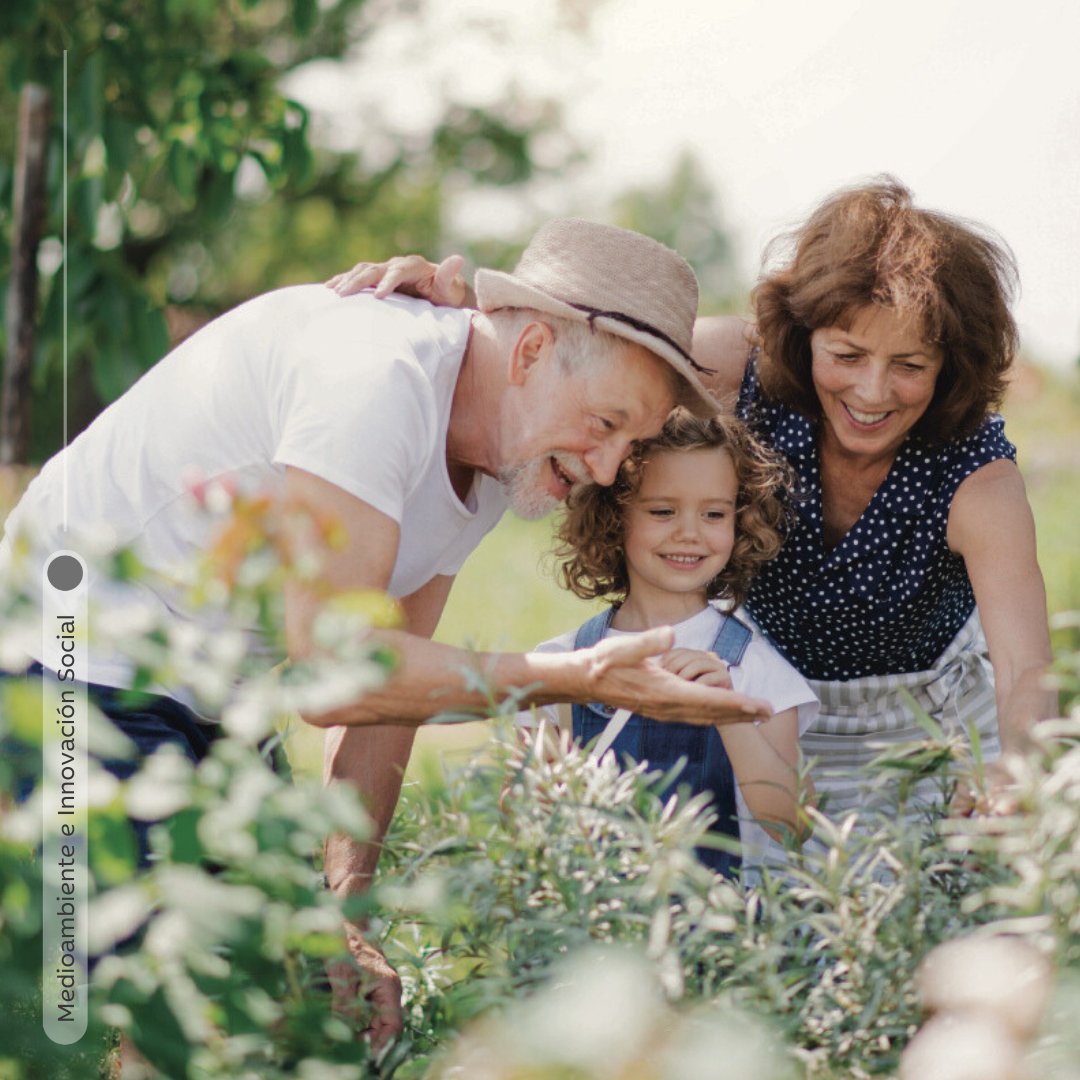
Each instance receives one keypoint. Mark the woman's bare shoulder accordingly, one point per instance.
(722, 343)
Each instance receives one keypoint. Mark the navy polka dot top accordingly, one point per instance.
(890, 596)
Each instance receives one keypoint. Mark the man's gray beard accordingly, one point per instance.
(524, 490)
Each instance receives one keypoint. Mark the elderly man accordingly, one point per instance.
(413, 427)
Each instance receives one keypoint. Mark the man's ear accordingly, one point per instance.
(535, 343)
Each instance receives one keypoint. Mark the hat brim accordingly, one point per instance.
(495, 289)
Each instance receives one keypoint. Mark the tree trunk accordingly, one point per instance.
(22, 298)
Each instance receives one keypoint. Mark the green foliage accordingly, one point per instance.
(500, 869)
(502, 876)
(498, 875)
(165, 102)
(212, 958)
(682, 212)
(228, 973)
(221, 941)
(25, 1051)
(193, 179)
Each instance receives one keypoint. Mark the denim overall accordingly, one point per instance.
(706, 766)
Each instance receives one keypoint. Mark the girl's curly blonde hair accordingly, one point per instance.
(590, 550)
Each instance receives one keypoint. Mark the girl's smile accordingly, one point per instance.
(679, 530)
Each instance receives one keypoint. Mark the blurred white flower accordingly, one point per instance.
(115, 915)
(161, 787)
(1005, 978)
(963, 1046)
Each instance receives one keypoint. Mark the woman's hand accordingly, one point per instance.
(697, 666)
(411, 275)
(994, 796)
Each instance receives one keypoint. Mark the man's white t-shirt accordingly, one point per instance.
(354, 390)
(762, 673)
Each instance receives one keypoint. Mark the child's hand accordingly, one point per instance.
(628, 673)
(698, 666)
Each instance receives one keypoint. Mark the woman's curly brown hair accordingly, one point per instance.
(870, 245)
(592, 561)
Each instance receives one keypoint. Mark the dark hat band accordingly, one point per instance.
(644, 328)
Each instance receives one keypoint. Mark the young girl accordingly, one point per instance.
(691, 516)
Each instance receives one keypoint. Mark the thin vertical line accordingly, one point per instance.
(64, 347)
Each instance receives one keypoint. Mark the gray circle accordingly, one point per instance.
(65, 573)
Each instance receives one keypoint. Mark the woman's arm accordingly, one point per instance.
(412, 275)
(765, 760)
(991, 526)
(722, 343)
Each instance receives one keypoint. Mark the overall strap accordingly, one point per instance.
(732, 640)
(588, 635)
(595, 629)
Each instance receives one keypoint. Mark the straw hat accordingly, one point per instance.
(621, 282)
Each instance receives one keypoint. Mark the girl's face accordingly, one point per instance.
(680, 527)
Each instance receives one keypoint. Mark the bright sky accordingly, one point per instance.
(974, 105)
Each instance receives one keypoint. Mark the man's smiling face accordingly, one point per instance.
(578, 427)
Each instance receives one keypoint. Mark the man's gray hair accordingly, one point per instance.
(578, 345)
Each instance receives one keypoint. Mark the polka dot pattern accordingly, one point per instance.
(890, 596)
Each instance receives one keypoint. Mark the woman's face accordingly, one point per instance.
(875, 380)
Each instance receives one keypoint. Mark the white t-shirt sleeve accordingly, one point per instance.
(764, 673)
(361, 417)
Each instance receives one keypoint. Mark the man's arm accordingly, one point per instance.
(430, 678)
(373, 758)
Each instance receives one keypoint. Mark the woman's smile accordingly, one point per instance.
(875, 380)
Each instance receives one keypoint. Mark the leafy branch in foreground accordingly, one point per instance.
(499, 870)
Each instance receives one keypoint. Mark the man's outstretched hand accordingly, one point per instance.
(629, 672)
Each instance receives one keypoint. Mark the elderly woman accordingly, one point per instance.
(881, 348)
(882, 344)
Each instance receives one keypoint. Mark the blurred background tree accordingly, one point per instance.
(194, 181)
(683, 212)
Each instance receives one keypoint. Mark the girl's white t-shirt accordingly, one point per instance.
(762, 673)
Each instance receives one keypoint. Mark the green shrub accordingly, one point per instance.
(501, 878)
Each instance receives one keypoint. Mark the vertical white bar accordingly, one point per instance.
(64, 264)
(64, 797)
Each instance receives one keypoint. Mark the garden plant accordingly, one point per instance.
(544, 908)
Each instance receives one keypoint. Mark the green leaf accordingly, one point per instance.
(112, 849)
(120, 145)
(20, 709)
(922, 717)
(86, 99)
(160, 1037)
(182, 832)
(217, 195)
(150, 331)
(304, 15)
(86, 196)
(113, 369)
(183, 164)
